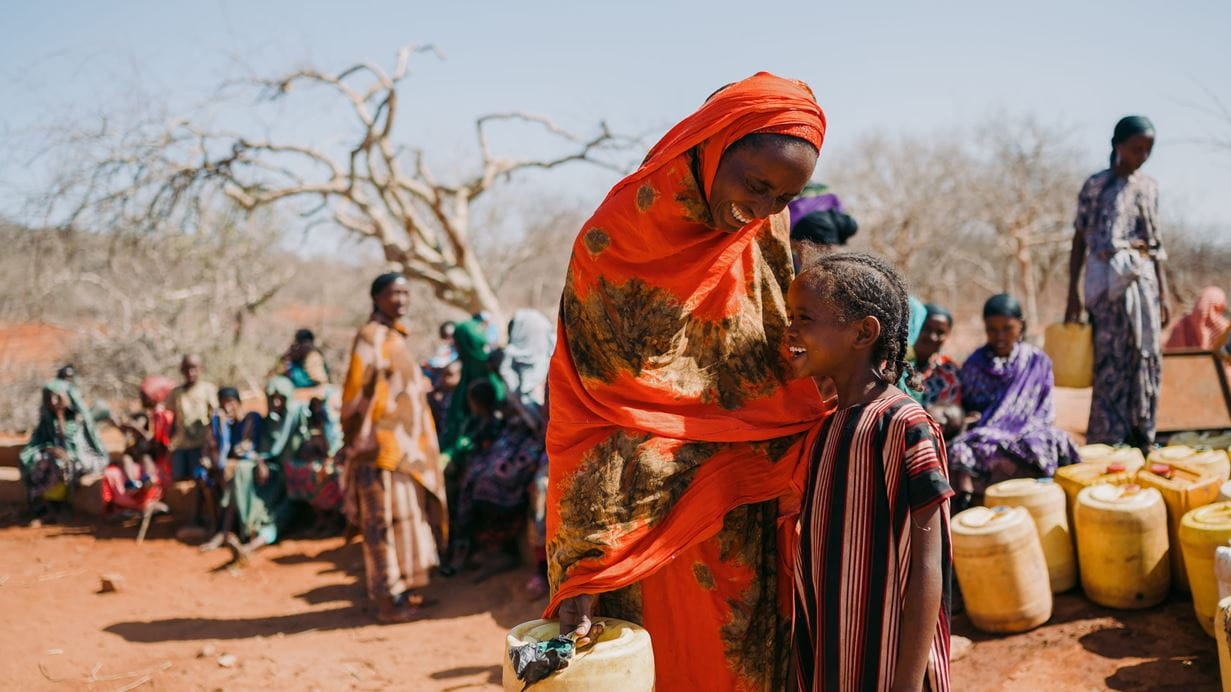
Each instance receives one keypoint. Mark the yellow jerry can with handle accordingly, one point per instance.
(1075, 477)
(1071, 348)
(1046, 503)
(1213, 462)
(1130, 458)
(1122, 545)
(621, 659)
(1202, 531)
(1000, 566)
(1183, 489)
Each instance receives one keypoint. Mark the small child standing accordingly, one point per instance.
(871, 600)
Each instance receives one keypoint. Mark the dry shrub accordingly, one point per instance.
(971, 213)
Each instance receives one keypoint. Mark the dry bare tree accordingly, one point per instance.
(990, 209)
(376, 189)
(909, 197)
(137, 302)
(1026, 193)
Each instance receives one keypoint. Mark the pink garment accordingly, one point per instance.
(1205, 325)
(116, 496)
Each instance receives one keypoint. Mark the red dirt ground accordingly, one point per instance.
(295, 618)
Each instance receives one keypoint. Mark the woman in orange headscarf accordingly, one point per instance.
(1205, 326)
(675, 433)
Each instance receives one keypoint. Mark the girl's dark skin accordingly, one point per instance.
(1131, 154)
(825, 349)
(751, 183)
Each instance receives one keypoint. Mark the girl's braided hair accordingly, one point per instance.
(858, 285)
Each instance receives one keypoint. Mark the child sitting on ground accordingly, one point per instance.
(138, 460)
(873, 555)
(136, 481)
(312, 476)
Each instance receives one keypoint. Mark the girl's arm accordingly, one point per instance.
(922, 601)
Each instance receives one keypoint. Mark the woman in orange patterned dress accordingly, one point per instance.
(676, 432)
(395, 488)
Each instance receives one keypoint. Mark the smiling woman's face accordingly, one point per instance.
(1003, 333)
(755, 180)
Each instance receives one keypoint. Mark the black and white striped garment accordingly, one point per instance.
(873, 465)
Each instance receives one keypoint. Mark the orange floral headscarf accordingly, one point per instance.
(671, 402)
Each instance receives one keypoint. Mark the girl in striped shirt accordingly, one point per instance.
(872, 567)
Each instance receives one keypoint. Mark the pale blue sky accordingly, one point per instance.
(895, 67)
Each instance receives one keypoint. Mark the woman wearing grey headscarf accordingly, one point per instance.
(532, 338)
(1119, 243)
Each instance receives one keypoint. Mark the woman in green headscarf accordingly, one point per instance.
(256, 505)
(64, 447)
(473, 352)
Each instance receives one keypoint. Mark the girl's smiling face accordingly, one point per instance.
(818, 343)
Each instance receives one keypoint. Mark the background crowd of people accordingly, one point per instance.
(466, 424)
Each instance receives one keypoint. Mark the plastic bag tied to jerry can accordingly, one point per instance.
(1071, 349)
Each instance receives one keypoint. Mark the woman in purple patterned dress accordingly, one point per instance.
(1118, 242)
(1008, 382)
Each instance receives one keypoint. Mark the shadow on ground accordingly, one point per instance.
(505, 603)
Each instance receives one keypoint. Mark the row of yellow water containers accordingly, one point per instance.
(1132, 521)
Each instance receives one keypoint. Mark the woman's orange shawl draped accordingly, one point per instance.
(675, 433)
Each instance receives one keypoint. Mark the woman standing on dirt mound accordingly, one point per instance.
(394, 486)
(1119, 243)
(675, 435)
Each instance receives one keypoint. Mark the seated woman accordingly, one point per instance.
(1008, 383)
(136, 482)
(311, 475)
(537, 586)
(478, 432)
(494, 496)
(523, 368)
(63, 448)
(941, 394)
(303, 363)
(232, 436)
(255, 505)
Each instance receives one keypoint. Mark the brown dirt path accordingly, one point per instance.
(293, 619)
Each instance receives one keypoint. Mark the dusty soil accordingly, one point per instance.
(295, 618)
(1085, 647)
